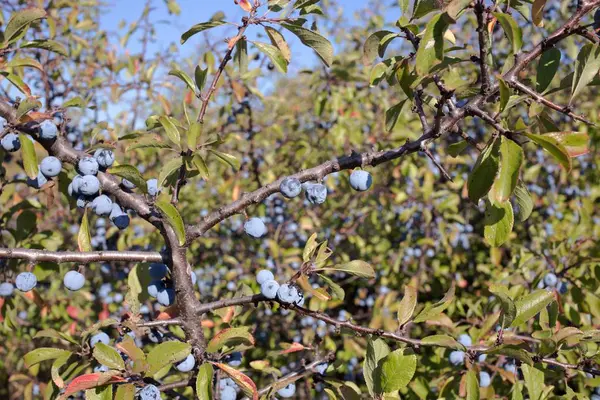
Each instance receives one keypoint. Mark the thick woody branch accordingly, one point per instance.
(483, 46)
(35, 256)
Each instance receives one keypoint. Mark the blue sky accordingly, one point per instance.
(170, 27)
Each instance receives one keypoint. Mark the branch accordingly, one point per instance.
(542, 100)
(35, 255)
(362, 330)
(483, 46)
(292, 377)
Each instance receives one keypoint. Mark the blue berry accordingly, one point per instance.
(595, 397)
(235, 359)
(90, 185)
(287, 391)
(152, 185)
(465, 340)
(121, 221)
(269, 289)
(290, 187)
(484, 379)
(316, 193)
(48, 130)
(150, 392)
(104, 157)
(263, 276)
(25, 281)
(11, 142)
(88, 166)
(255, 227)
(102, 205)
(166, 297)
(481, 358)
(38, 182)
(360, 180)
(82, 201)
(74, 280)
(155, 287)
(510, 368)
(6, 289)
(228, 393)
(287, 294)
(127, 184)
(3, 122)
(457, 357)
(186, 365)
(550, 280)
(100, 337)
(563, 288)
(71, 137)
(158, 271)
(321, 368)
(50, 167)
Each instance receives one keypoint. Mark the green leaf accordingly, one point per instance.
(278, 41)
(200, 77)
(108, 356)
(455, 7)
(376, 44)
(472, 385)
(442, 341)
(84, 240)
(511, 159)
(433, 310)
(498, 222)
(24, 62)
(240, 58)
(46, 44)
(504, 94)
(76, 101)
(511, 351)
(199, 28)
(407, 306)
(174, 218)
(204, 382)
(509, 309)
(586, 68)
(534, 381)
(226, 158)
(166, 353)
(530, 305)
(392, 115)
(274, 55)
(20, 21)
(456, 148)
(424, 7)
(230, 337)
(357, 268)
(27, 105)
(200, 164)
(397, 370)
(575, 143)
(17, 81)
(547, 67)
(376, 350)
(132, 174)
(125, 392)
(171, 167)
(170, 129)
(431, 48)
(312, 39)
(511, 29)
(337, 291)
(524, 201)
(148, 141)
(554, 147)
(484, 172)
(184, 77)
(43, 354)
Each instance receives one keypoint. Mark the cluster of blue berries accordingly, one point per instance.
(285, 293)
(551, 282)
(316, 193)
(228, 389)
(161, 288)
(457, 357)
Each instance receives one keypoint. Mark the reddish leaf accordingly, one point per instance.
(294, 348)
(245, 4)
(90, 381)
(242, 380)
